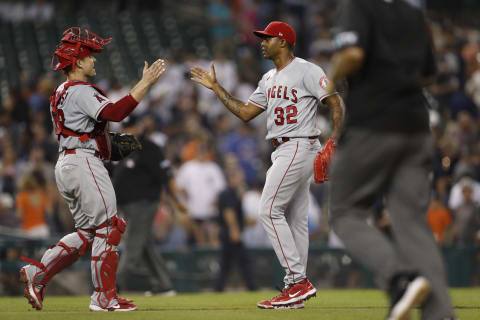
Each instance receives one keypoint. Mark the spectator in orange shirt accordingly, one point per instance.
(33, 204)
(439, 219)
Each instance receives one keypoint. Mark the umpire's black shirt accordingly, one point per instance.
(142, 175)
(386, 92)
(229, 198)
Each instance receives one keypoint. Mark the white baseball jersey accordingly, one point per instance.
(291, 97)
(81, 106)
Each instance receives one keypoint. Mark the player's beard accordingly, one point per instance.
(269, 52)
(270, 55)
(266, 54)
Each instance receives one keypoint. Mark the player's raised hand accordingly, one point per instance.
(150, 76)
(154, 72)
(203, 77)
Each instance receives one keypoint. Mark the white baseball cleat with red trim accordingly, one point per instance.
(33, 293)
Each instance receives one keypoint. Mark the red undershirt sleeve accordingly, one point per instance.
(119, 110)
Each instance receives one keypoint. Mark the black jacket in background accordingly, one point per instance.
(386, 92)
(142, 175)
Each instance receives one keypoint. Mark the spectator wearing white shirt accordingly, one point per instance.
(456, 196)
(254, 236)
(466, 216)
(200, 180)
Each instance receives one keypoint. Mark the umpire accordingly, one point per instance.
(139, 181)
(231, 224)
(385, 53)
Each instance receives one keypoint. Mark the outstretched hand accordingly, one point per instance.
(199, 75)
(154, 72)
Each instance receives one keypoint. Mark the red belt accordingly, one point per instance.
(92, 230)
(278, 141)
(73, 151)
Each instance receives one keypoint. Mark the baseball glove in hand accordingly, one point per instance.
(122, 145)
(323, 160)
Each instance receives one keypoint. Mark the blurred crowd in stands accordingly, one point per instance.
(202, 140)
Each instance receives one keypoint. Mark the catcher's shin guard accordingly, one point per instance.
(105, 273)
(60, 256)
(105, 262)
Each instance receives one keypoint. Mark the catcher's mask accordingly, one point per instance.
(75, 45)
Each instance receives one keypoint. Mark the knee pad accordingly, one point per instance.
(118, 228)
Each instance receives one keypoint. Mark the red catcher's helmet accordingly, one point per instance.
(76, 44)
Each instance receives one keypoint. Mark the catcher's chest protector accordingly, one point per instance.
(58, 117)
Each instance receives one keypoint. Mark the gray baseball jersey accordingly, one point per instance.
(291, 97)
(81, 106)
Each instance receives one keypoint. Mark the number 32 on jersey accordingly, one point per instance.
(287, 115)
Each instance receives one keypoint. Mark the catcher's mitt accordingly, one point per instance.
(122, 145)
(323, 160)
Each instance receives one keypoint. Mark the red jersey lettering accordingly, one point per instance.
(294, 94)
(285, 93)
(100, 99)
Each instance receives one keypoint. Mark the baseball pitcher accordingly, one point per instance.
(290, 94)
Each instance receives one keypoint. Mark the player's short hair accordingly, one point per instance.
(290, 47)
(66, 70)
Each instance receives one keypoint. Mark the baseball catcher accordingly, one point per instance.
(81, 112)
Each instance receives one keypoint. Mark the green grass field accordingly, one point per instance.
(329, 304)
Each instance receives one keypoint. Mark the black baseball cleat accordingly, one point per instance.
(406, 291)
